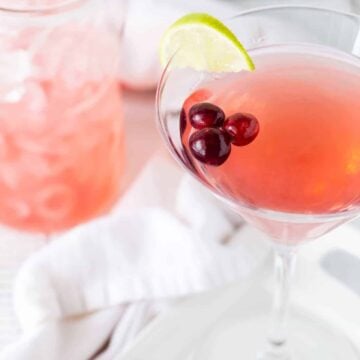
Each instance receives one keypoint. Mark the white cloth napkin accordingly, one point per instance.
(168, 238)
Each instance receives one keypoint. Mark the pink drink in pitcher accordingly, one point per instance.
(61, 127)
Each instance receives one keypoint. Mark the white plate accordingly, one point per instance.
(175, 334)
(178, 333)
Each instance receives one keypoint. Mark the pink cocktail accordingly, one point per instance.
(61, 126)
(67, 169)
(281, 147)
(308, 147)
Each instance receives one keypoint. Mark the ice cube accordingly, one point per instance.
(55, 201)
(15, 68)
(30, 112)
(35, 97)
(10, 176)
(19, 209)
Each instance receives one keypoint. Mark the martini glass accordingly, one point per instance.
(300, 177)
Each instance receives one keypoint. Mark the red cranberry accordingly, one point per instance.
(210, 146)
(182, 121)
(242, 128)
(206, 115)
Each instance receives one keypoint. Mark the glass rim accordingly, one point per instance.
(293, 6)
(281, 216)
(49, 9)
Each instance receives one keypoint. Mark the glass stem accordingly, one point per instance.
(285, 258)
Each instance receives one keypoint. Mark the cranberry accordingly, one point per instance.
(210, 146)
(206, 115)
(182, 121)
(242, 128)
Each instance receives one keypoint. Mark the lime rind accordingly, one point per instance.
(202, 42)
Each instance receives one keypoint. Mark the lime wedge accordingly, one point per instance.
(204, 43)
